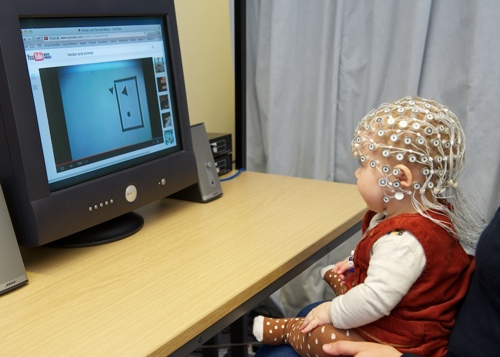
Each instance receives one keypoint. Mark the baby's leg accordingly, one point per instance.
(335, 282)
(272, 331)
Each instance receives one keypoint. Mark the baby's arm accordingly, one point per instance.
(396, 262)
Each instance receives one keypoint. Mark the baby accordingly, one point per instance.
(413, 264)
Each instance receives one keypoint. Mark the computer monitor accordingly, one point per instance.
(93, 116)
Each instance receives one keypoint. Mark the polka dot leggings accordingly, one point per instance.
(280, 331)
(335, 282)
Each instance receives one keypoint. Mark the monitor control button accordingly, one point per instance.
(131, 193)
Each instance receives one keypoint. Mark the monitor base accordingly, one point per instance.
(106, 232)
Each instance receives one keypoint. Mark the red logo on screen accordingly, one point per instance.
(38, 56)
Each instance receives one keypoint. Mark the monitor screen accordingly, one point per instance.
(101, 89)
(94, 121)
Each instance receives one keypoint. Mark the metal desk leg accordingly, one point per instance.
(211, 351)
(238, 337)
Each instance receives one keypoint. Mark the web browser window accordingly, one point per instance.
(102, 92)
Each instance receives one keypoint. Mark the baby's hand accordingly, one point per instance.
(318, 316)
(339, 269)
(343, 269)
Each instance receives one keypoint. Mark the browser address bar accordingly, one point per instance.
(100, 36)
(111, 50)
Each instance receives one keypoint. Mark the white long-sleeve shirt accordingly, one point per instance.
(396, 261)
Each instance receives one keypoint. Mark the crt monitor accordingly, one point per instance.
(93, 116)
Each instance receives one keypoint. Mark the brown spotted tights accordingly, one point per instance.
(287, 330)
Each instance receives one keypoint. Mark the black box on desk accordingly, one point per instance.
(220, 143)
(223, 164)
(222, 150)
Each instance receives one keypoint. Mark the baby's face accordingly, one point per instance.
(368, 182)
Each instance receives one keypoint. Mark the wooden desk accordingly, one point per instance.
(192, 270)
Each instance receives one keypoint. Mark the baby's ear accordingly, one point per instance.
(405, 176)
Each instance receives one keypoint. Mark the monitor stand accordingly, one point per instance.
(107, 232)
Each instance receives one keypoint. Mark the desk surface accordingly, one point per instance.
(191, 265)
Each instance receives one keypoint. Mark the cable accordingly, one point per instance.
(233, 176)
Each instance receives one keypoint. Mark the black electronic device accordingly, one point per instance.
(221, 146)
(93, 116)
(223, 163)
